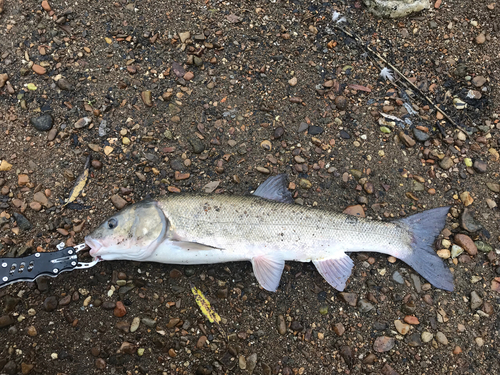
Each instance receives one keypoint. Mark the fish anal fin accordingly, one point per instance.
(335, 271)
(275, 188)
(268, 270)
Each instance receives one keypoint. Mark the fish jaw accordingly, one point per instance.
(112, 251)
(95, 248)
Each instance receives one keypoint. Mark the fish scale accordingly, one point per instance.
(226, 221)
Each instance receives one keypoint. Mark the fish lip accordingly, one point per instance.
(94, 245)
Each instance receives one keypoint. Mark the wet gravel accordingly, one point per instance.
(170, 97)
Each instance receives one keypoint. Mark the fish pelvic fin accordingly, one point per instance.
(335, 271)
(268, 270)
(424, 228)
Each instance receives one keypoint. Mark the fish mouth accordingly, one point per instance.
(94, 245)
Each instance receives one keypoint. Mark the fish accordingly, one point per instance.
(266, 228)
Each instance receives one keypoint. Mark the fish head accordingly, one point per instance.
(134, 233)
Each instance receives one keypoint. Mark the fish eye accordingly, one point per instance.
(112, 223)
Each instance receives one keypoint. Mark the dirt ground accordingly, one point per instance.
(169, 96)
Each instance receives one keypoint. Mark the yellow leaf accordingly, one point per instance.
(204, 305)
(79, 184)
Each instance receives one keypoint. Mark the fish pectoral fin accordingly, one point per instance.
(268, 270)
(185, 245)
(335, 270)
(276, 189)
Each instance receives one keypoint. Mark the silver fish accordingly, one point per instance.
(267, 229)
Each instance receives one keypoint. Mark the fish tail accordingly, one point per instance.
(424, 228)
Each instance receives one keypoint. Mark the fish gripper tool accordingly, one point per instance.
(29, 268)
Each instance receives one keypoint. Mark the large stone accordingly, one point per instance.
(396, 8)
(42, 123)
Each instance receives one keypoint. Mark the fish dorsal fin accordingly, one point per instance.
(275, 188)
(268, 270)
(335, 270)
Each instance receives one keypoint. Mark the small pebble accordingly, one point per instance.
(118, 201)
(120, 310)
(441, 338)
(281, 325)
(466, 243)
(50, 303)
(135, 324)
(396, 276)
(350, 298)
(401, 327)
(339, 329)
(426, 336)
(475, 301)
(481, 38)
(383, 344)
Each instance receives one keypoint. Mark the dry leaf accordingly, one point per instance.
(80, 183)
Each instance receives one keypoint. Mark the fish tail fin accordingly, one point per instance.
(424, 228)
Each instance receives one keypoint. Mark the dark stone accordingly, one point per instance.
(125, 289)
(468, 222)
(64, 84)
(10, 368)
(108, 305)
(414, 339)
(278, 132)
(341, 102)
(315, 130)
(176, 165)
(6, 320)
(344, 134)
(50, 303)
(296, 326)
(42, 123)
(364, 306)
(65, 300)
(22, 222)
(380, 326)
(10, 303)
(420, 135)
(42, 284)
(303, 127)
(480, 166)
(189, 271)
(347, 354)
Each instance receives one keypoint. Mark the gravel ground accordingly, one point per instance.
(169, 96)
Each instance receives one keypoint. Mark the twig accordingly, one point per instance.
(401, 75)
